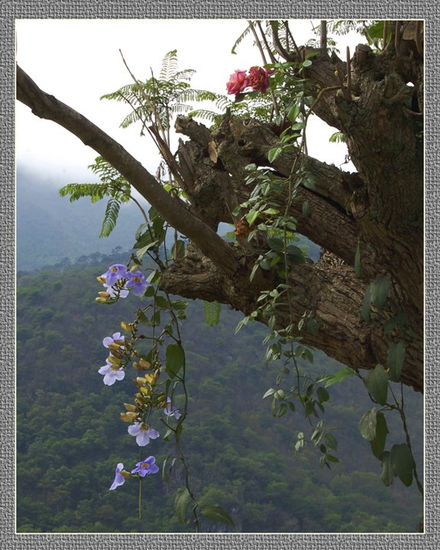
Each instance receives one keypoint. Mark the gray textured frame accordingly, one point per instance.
(202, 9)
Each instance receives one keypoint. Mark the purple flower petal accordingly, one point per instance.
(134, 429)
(119, 479)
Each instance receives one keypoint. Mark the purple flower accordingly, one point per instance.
(137, 282)
(111, 374)
(115, 272)
(119, 479)
(120, 292)
(143, 433)
(145, 467)
(172, 410)
(115, 338)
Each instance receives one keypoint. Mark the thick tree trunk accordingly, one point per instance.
(377, 211)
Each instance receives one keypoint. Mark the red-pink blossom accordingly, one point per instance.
(237, 82)
(258, 78)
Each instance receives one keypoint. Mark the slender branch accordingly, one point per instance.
(258, 42)
(269, 51)
(323, 43)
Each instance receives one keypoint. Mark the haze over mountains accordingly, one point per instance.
(50, 227)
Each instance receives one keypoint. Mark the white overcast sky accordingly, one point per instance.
(78, 61)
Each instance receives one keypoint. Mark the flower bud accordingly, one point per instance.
(130, 407)
(140, 381)
(101, 300)
(152, 378)
(104, 294)
(113, 346)
(114, 360)
(145, 391)
(128, 416)
(144, 364)
(125, 474)
(101, 279)
(126, 326)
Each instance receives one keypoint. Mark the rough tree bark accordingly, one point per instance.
(376, 100)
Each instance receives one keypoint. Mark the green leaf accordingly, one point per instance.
(336, 377)
(161, 302)
(387, 475)
(337, 137)
(307, 63)
(300, 441)
(273, 154)
(305, 208)
(142, 251)
(269, 392)
(216, 513)
(293, 112)
(110, 216)
(322, 394)
(402, 463)
(212, 313)
(378, 443)
(178, 249)
(175, 359)
(379, 290)
(181, 502)
(395, 358)
(294, 254)
(252, 216)
(331, 441)
(275, 243)
(331, 458)
(367, 424)
(377, 384)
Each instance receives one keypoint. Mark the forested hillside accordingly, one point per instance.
(69, 436)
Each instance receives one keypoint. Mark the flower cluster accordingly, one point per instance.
(118, 280)
(143, 468)
(257, 78)
(112, 369)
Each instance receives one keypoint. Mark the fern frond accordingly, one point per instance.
(185, 74)
(128, 92)
(179, 108)
(95, 191)
(242, 36)
(223, 102)
(139, 114)
(205, 114)
(110, 217)
(169, 65)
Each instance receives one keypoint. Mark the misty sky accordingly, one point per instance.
(79, 60)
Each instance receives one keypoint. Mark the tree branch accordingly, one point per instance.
(173, 210)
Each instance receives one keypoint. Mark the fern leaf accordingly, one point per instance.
(186, 74)
(95, 191)
(204, 114)
(242, 36)
(110, 217)
(169, 65)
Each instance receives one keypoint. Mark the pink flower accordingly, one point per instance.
(258, 78)
(237, 82)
